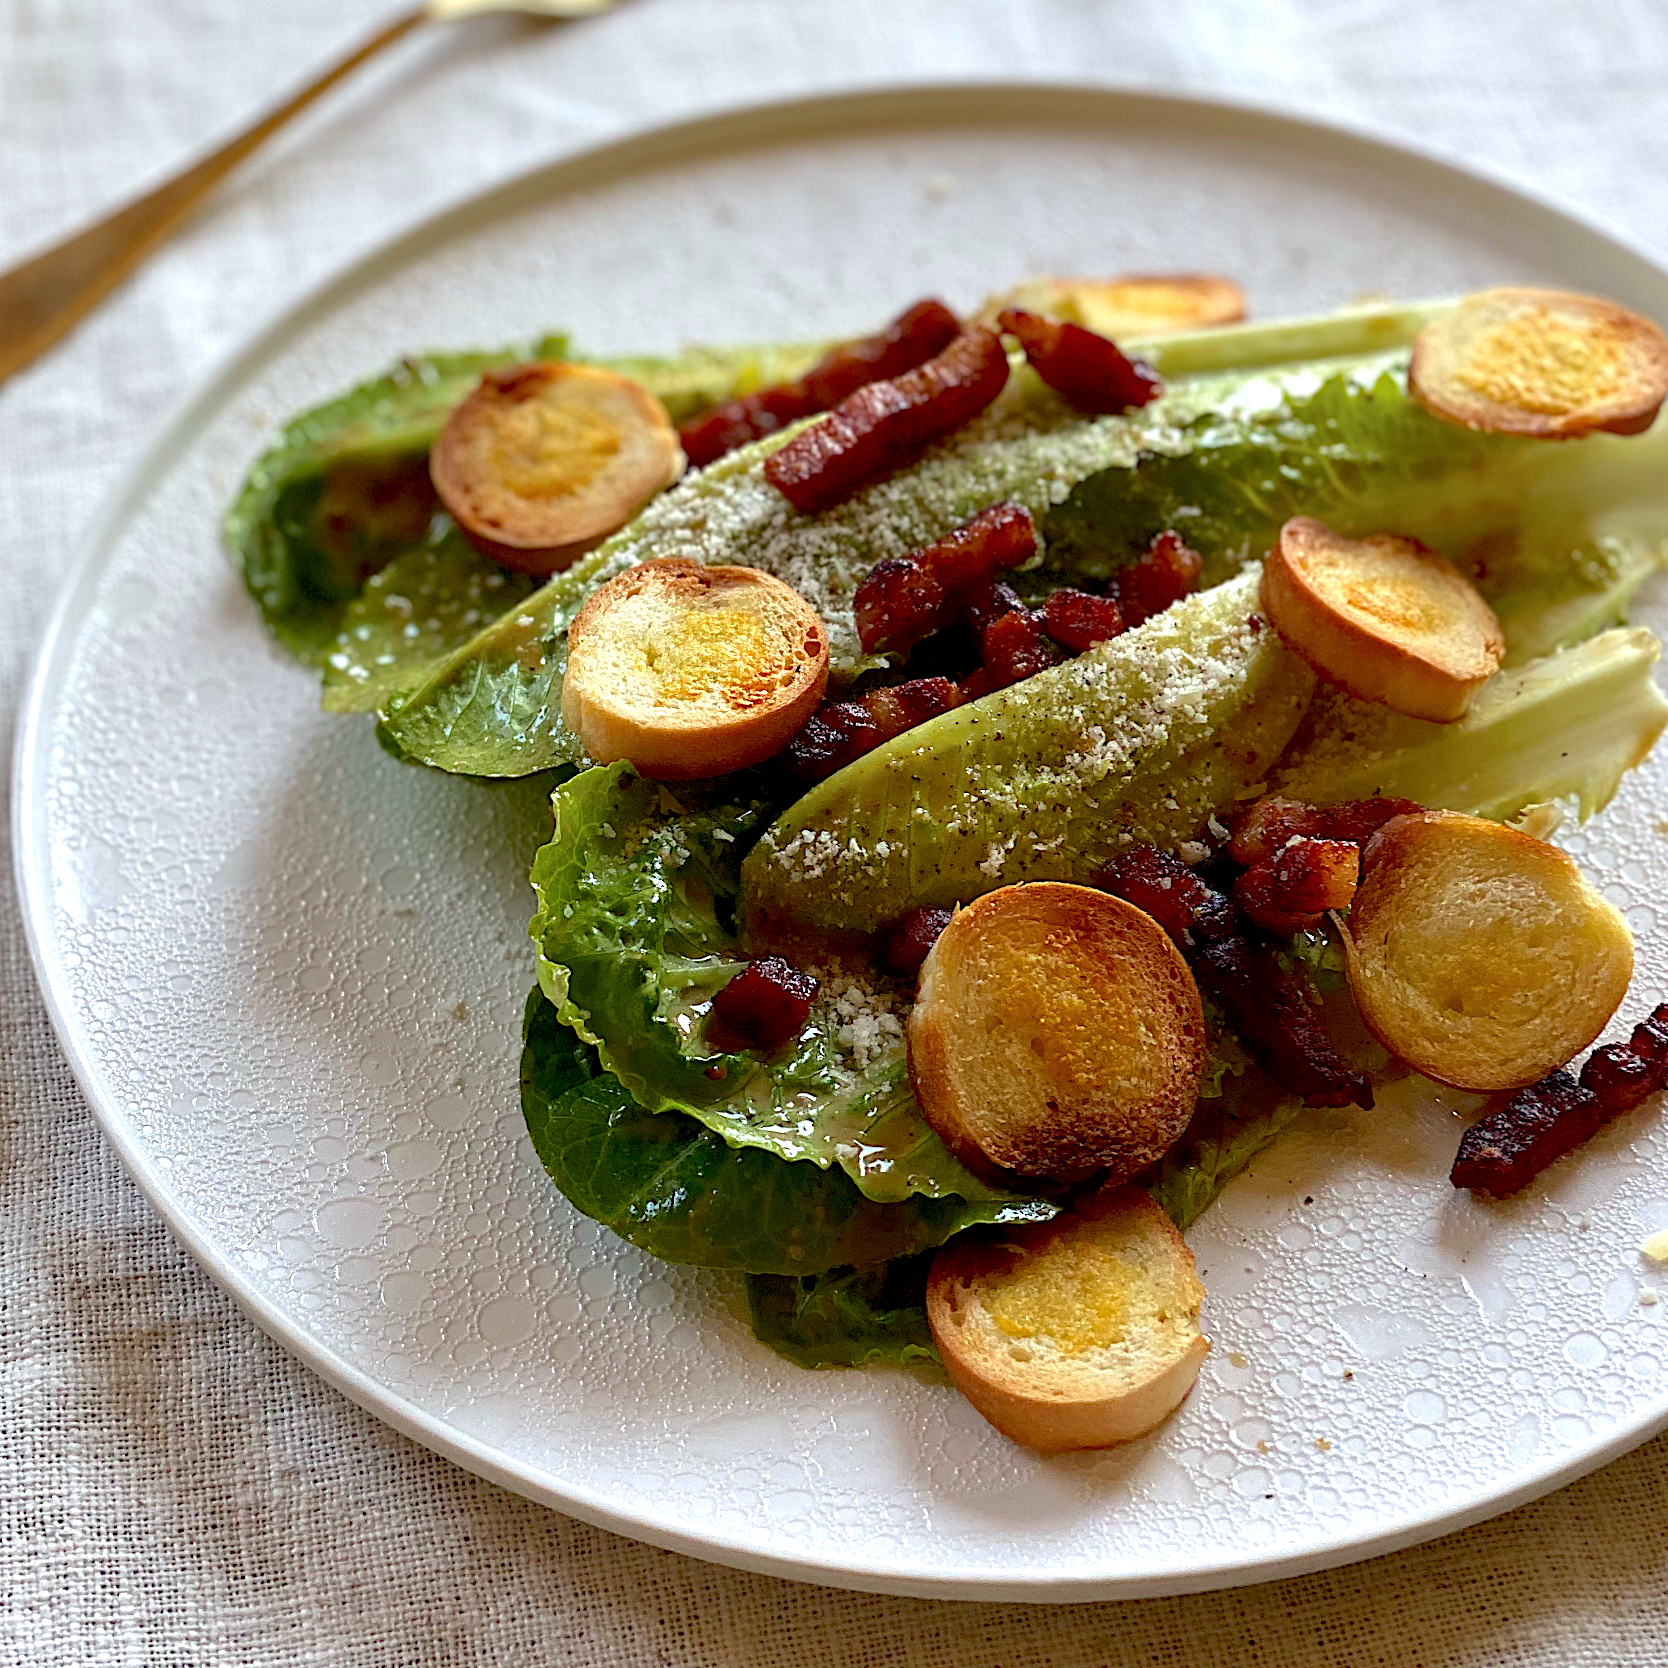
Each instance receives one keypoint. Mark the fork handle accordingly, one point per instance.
(45, 297)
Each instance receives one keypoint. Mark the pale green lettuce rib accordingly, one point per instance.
(1568, 726)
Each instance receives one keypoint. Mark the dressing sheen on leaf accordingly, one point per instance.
(411, 614)
(675, 1189)
(636, 893)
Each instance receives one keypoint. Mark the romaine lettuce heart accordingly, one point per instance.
(491, 708)
(1140, 741)
(1559, 537)
(634, 929)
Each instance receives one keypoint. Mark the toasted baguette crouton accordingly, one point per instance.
(1479, 954)
(1382, 617)
(691, 671)
(1135, 305)
(1056, 1033)
(1545, 363)
(1075, 1333)
(545, 460)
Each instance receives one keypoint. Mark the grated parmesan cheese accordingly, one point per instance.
(863, 1019)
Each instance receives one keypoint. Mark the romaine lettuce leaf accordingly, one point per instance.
(874, 1316)
(411, 614)
(344, 490)
(674, 1188)
(492, 705)
(1568, 726)
(1224, 1136)
(635, 936)
(1557, 537)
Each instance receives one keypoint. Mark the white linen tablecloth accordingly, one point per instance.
(173, 1488)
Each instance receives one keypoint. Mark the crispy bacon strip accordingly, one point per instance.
(1296, 886)
(1162, 885)
(1077, 620)
(1014, 647)
(736, 423)
(840, 731)
(1266, 1006)
(1273, 822)
(900, 601)
(1507, 1149)
(908, 944)
(1084, 369)
(906, 598)
(1167, 571)
(986, 605)
(887, 423)
(909, 340)
(762, 1007)
(912, 338)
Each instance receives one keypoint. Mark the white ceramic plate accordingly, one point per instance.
(289, 972)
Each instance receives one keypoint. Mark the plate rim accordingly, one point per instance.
(944, 102)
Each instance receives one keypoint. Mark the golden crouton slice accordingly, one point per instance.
(1133, 306)
(1382, 617)
(1056, 1033)
(1546, 363)
(692, 671)
(1479, 954)
(543, 461)
(1075, 1333)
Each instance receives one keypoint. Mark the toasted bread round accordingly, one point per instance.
(1382, 617)
(1479, 954)
(1546, 363)
(1075, 1333)
(1136, 305)
(544, 461)
(691, 671)
(1056, 1033)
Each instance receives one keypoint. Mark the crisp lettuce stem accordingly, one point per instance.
(1568, 726)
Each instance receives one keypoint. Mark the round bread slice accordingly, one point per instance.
(1136, 305)
(543, 461)
(1075, 1333)
(1479, 954)
(1382, 617)
(692, 671)
(1056, 1034)
(1546, 363)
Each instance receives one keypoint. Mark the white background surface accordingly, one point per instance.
(173, 1489)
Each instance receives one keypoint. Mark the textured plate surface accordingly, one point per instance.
(289, 971)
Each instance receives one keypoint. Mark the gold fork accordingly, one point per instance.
(45, 297)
